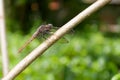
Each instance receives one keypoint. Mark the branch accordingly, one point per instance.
(52, 39)
(3, 40)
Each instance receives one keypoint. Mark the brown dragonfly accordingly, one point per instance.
(41, 32)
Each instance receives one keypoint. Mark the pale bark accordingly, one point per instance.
(3, 40)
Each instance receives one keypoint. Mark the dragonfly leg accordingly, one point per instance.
(43, 36)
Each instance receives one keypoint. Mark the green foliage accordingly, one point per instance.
(87, 56)
(116, 77)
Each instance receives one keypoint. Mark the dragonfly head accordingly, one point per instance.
(46, 28)
(50, 25)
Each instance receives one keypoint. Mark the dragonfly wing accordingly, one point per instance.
(62, 40)
(47, 34)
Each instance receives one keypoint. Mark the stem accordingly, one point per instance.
(52, 39)
(3, 40)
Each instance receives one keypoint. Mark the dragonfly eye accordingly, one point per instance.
(50, 25)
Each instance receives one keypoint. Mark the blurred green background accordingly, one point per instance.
(93, 51)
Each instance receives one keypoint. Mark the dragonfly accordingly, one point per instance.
(41, 32)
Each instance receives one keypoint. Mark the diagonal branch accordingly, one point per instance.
(52, 39)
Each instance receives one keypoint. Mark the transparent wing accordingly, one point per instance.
(47, 34)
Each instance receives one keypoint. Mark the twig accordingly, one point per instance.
(3, 39)
(52, 39)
